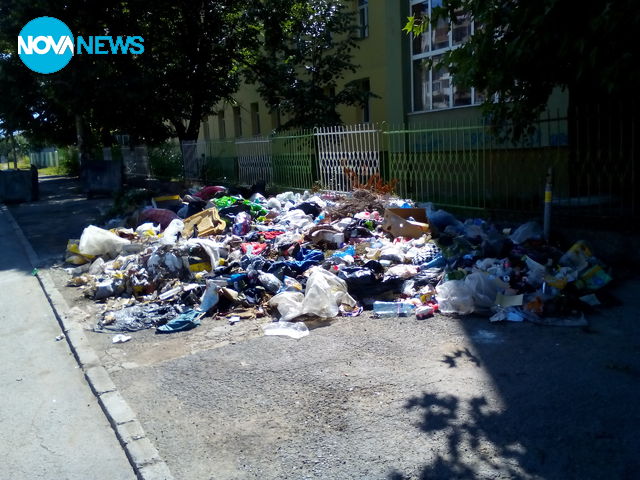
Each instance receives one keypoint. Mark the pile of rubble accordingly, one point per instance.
(297, 256)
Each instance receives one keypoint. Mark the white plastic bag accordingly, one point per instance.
(171, 233)
(289, 305)
(148, 228)
(455, 296)
(97, 241)
(526, 231)
(210, 297)
(484, 289)
(324, 293)
(286, 329)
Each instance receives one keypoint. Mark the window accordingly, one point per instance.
(363, 18)
(237, 122)
(433, 86)
(255, 119)
(222, 128)
(275, 119)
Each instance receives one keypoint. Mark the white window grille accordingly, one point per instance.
(433, 87)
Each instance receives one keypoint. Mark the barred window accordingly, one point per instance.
(433, 87)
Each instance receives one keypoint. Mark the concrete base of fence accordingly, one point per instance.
(16, 186)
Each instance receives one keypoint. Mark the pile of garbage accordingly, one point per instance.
(298, 256)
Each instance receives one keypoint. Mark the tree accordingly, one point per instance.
(193, 51)
(522, 50)
(303, 51)
(190, 63)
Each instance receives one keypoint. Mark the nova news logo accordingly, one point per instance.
(46, 45)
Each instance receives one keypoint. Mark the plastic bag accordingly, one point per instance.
(147, 229)
(289, 305)
(210, 298)
(73, 254)
(324, 293)
(97, 241)
(242, 224)
(269, 281)
(286, 329)
(455, 296)
(484, 289)
(172, 232)
(186, 321)
(441, 219)
(527, 231)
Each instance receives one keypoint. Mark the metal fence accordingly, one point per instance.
(467, 165)
(591, 152)
(47, 157)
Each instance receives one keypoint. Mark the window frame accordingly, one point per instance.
(237, 122)
(363, 18)
(432, 53)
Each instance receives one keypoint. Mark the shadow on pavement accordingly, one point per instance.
(565, 402)
(62, 212)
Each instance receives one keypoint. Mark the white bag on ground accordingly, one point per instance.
(289, 305)
(484, 288)
(97, 241)
(455, 296)
(324, 293)
(171, 233)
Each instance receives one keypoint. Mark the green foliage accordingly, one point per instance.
(69, 162)
(522, 50)
(190, 63)
(165, 161)
(304, 51)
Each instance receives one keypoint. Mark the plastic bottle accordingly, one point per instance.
(392, 309)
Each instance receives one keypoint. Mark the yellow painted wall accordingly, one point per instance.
(379, 59)
(383, 58)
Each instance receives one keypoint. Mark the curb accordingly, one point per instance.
(142, 455)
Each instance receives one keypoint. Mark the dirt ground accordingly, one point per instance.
(394, 398)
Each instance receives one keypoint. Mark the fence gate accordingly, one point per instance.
(254, 160)
(136, 161)
(194, 160)
(354, 148)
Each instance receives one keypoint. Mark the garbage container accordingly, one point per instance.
(16, 186)
(100, 177)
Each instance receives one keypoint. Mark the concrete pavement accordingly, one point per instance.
(52, 425)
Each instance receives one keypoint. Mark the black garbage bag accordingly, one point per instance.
(309, 208)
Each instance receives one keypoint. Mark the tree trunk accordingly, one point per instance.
(15, 151)
(81, 139)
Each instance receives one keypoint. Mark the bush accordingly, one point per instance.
(165, 161)
(69, 162)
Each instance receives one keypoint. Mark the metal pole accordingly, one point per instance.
(547, 204)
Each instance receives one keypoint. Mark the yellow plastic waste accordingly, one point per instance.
(73, 254)
(208, 222)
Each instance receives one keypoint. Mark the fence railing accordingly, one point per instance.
(592, 155)
(47, 157)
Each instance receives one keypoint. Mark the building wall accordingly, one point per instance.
(384, 58)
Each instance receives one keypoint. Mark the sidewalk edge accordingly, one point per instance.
(142, 455)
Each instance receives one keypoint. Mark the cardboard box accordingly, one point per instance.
(397, 222)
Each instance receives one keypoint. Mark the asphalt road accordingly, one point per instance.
(380, 398)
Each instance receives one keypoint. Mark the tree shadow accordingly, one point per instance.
(461, 354)
(560, 404)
